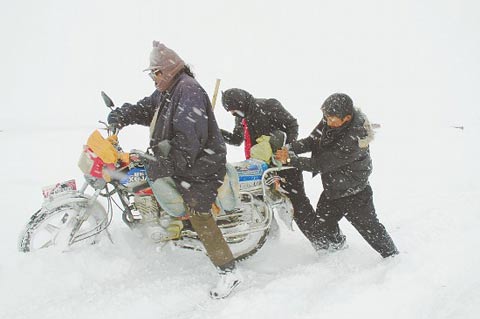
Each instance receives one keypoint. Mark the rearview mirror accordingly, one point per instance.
(108, 101)
(277, 140)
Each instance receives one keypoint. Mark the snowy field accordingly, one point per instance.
(412, 66)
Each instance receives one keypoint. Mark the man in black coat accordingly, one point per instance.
(255, 117)
(188, 149)
(341, 154)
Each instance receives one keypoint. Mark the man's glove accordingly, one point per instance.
(115, 119)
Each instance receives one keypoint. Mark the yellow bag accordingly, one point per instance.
(262, 150)
(103, 148)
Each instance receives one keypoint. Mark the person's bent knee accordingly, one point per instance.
(201, 216)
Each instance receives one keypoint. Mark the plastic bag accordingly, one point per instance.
(262, 150)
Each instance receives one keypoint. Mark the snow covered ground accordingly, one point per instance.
(411, 66)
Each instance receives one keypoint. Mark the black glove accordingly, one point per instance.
(115, 119)
(277, 140)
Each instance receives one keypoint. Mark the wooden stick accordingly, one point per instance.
(215, 93)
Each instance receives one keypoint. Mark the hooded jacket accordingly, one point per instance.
(341, 156)
(263, 117)
(183, 118)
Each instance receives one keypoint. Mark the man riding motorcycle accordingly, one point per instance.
(189, 153)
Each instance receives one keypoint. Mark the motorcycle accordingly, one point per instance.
(71, 216)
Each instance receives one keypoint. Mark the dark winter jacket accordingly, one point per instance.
(263, 117)
(341, 156)
(197, 157)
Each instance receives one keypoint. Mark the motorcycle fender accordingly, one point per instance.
(58, 200)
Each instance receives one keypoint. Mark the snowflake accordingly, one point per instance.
(185, 185)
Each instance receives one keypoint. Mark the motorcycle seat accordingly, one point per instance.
(228, 197)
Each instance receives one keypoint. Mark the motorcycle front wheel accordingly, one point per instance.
(61, 227)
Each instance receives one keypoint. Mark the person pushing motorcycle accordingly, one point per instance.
(189, 159)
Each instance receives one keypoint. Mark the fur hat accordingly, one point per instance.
(163, 58)
(167, 61)
(338, 104)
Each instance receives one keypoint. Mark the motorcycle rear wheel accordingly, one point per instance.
(245, 246)
(241, 246)
(251, 245)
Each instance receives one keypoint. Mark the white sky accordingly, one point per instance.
(401, 61)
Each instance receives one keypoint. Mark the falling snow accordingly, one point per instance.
(209, 151)
(185, 184)
(411, 65)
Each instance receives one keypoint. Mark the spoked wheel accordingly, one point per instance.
(62, 227)
(244, 246)
(249, 245)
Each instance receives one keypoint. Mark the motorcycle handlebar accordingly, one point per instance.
(142, 156)
(115, 130)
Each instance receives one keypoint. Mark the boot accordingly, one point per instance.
(325, 245)
(391, 253)
(228, 281)
(339, 243)
(218, 252)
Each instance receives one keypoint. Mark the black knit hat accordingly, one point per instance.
(338, 104)
(236, 99)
